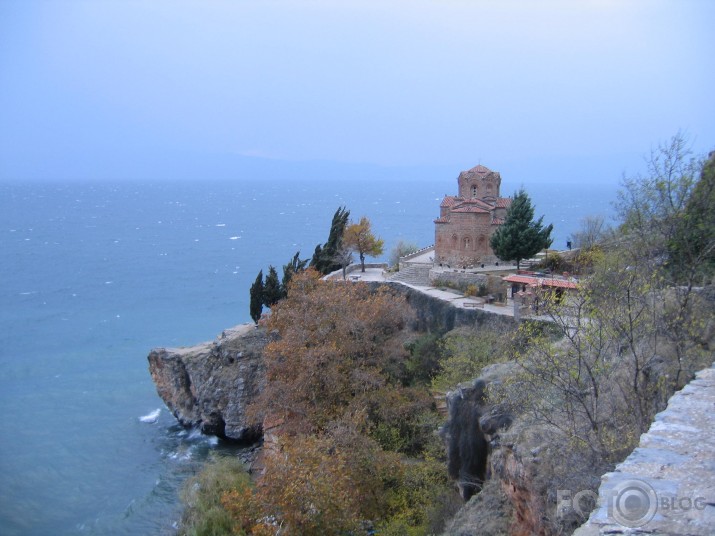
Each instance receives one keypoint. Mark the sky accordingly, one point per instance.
(161, 89)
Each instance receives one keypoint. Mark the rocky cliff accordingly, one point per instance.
(210, 385)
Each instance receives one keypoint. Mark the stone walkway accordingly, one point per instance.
(667, 485)
(456, 299)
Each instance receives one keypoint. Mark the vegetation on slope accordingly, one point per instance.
(348, 400)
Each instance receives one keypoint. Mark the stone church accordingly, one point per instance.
(466, 221)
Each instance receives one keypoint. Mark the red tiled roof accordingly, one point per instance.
(477, 201)
(498, 221)
(449, 200)
(472, 208)
(482, 170)
(472, 202)
(442, 220)
(525, 279)
(561, 283)
(503, 202)
(541, 281)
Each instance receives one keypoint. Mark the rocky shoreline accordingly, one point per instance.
(210, 385)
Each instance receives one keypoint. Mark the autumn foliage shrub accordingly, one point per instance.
(355, 447)
(335, 351)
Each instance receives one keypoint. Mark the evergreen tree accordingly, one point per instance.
(324, 258)
(295, 266)
(256, 303)
(520, 237)
(271, 288)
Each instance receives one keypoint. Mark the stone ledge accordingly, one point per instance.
(672, 471)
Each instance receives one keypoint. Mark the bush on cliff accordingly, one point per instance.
(346, 416)
(204, 514)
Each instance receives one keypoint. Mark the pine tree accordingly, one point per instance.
(520, 237)
(324, 258)
(271, 288)
(256, 303)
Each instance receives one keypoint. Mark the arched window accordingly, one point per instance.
(454, 241)
(482, 243)
(474, 190)
(467, 243)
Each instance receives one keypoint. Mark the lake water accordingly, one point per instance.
(93, 275)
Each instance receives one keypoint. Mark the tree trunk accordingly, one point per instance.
(362, 261)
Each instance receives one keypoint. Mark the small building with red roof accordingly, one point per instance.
(528, 284)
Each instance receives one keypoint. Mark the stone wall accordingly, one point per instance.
(667, 485)
(435, 315)
(464, 241)
(493, 285)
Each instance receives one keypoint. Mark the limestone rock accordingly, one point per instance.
(210, 385)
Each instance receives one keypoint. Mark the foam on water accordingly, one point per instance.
(151, 417)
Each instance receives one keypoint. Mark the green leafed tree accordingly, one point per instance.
(359, 238)
(256, 302)
(692, 253)
(521, 236)
(324, 257)
(668, 213)
(272, 291)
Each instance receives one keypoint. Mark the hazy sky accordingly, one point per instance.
(162, 88)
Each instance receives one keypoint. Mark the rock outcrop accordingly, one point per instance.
(210, 385)
(473, 424)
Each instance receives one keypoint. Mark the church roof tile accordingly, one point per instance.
(449, 201)
(482, 170)
(473, 208)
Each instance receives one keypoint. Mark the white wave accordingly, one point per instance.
(195, 434)
(181, 455)
(151, 417)
(220, 225)
(234, 238)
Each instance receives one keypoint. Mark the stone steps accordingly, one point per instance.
(413, 274)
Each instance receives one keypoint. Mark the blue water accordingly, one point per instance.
(93, 275)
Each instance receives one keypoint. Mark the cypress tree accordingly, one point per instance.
(256, 302)
(520, 237)
(324, 258)
(295, 266)
(271, 288)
